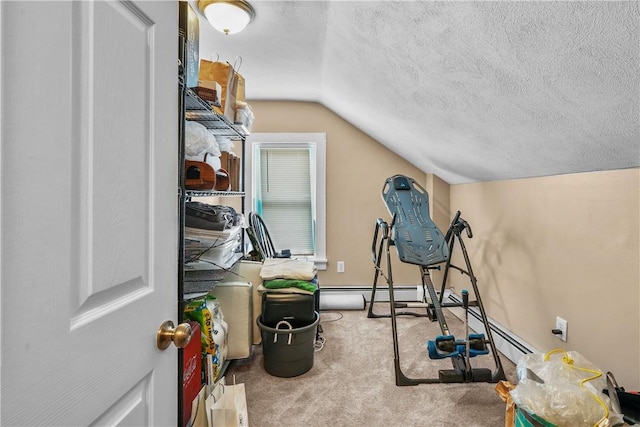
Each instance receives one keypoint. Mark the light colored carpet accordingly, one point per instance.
(352, 382)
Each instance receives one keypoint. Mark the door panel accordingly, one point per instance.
(112, 184)
(132, 409)
(89, 212)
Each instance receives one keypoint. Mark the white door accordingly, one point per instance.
(89, 212)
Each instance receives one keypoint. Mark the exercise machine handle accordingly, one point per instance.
(453, 224)
(458, 224)
(466, 225)
(380, 224)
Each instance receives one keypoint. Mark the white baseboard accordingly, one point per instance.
(507, 343)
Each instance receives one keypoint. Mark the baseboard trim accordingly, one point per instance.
(510, 345)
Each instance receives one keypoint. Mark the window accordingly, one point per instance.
(286, 175)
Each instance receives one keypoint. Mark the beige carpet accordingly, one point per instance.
(352, 382)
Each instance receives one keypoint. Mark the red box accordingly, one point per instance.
(191, 372)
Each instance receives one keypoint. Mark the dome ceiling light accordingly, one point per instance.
(228, 17)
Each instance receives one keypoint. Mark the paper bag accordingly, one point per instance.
(227, 406)
(198, 410)
(503, 388)
(240, 82)
(240, 91)
(224, 74)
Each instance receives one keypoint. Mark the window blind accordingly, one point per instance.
(285, 199)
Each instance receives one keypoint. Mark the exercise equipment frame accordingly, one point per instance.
(445, 345)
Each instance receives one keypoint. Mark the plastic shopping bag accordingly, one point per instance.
(563, 389)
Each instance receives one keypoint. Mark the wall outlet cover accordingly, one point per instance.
(561, 324)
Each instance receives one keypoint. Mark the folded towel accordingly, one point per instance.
(287, 268)
(262, 289)
(288, 283)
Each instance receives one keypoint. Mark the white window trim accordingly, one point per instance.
(296, 140)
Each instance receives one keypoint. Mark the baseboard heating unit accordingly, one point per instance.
(341, 300)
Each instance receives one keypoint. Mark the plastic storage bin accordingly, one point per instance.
(288, 351)
(297, 309)
(525, 419)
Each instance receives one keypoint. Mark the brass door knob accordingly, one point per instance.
(179, 335)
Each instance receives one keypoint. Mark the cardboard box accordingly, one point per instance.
(209, 91)
(189, 42)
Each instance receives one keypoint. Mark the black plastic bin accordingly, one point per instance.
(297, 309)
(288, 351)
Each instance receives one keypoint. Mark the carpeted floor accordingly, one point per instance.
(352, 381)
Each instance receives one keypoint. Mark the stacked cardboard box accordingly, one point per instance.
(231, 163)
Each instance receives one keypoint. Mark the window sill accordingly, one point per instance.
(321, 263)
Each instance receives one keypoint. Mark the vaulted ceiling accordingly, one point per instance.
(471, 91)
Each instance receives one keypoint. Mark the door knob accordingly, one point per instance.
(180, 335)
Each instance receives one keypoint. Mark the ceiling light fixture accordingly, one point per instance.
(228, 17)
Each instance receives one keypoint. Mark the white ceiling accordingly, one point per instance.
(471, 91)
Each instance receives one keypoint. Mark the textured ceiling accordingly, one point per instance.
(470, 91)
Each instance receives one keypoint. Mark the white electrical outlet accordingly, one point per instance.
(340, 266)
(561, 325)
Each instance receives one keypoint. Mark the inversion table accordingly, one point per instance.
(419, 241)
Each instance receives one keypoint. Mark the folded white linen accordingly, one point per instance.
(262, 289)
(287, 268)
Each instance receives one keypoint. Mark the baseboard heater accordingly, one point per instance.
(341, 300)
(401, 293)
(356, 297)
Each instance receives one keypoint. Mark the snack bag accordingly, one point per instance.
(220, 329)
(197, 311)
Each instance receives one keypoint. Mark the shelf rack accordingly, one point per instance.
(198, 281)
(205, 193)
(199, 110)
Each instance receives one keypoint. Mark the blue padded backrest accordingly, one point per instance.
(417, 238)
